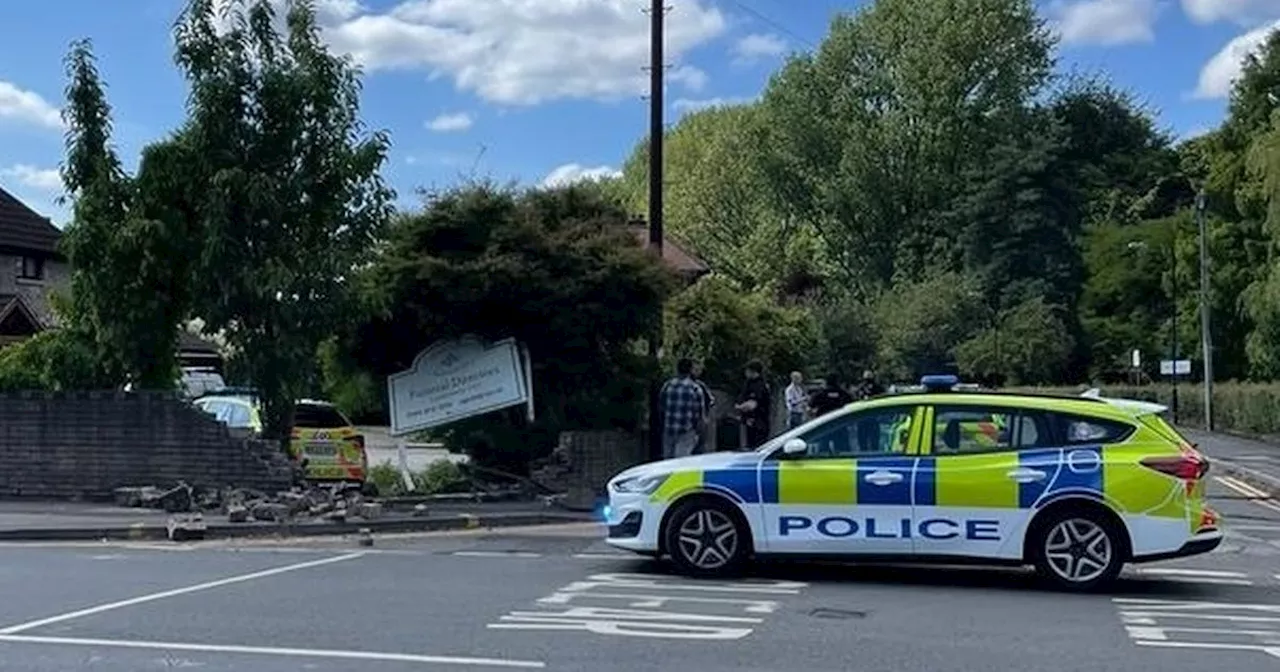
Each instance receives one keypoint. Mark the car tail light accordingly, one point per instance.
(1189, 466)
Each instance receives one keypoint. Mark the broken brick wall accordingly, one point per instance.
(86, 444)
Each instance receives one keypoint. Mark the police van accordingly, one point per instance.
(1075, 486)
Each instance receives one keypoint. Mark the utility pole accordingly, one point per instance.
(657, 70)
(1205, 336)
(1173, 279)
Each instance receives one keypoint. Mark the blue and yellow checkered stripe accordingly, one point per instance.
(970, 481)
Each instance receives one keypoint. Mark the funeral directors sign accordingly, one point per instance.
(452, 380)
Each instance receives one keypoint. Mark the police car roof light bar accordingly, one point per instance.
(939, 383)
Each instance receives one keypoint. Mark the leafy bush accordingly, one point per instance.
(53, 361)
(1252, 408)
(558, 270)
(724, 327)
(439, 477)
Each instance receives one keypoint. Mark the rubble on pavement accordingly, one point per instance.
(335, 502)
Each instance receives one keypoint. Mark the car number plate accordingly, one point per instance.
(322, 449)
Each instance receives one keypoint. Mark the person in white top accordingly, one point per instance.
(797, 401)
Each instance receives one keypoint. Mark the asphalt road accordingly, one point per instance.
(559, 599)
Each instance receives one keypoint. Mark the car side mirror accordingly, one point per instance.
(795, 447)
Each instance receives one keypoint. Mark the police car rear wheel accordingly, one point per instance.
(1078, 551)
(705, 538)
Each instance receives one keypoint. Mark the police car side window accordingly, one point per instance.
(962, 430)
(1079, 430)
(876, 432)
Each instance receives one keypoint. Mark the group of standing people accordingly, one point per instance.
(803, 406)
(686, 403)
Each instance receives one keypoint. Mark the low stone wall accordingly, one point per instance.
(86, 444)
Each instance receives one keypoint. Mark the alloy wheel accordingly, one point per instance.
(1078, 550)
(708, 539)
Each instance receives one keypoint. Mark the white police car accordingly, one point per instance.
(1076, 486)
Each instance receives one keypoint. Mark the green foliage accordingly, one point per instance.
(717, 200)
(1029, 343)
(273, 173)
(52, 361)
(920, 324)
(869, 133)
(558, 270)
(439, 477)
(129, 282)
(356, 392)
(725, 328)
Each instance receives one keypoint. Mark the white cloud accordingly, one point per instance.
(1104, 22)
(448, 123)
(755, 47)
(684, 105)
(574, 172)
(1221, 72)
(1244, 12)
(27, 107)
(34, 178)
(525, 52)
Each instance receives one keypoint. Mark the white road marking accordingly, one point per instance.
(1270, 650)
(656, 601)
(1180, 571)
(496, 554)
(276, 651)
(648, 600)
(606, 556)
(1154, 622)
(30, 625)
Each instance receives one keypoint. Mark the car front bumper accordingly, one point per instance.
(633, 522)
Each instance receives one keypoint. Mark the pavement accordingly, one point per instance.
(558, 598)
(69, 521)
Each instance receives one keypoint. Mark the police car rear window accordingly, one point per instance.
(1079, 430)
(319, 417)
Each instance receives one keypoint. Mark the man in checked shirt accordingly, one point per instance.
(683, 412)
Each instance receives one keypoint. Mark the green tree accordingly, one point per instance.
(274, 172)
(1027, 344)
(129, 282)
(718, 202)
(716, 322)
(557, 270)
(869, 133)
(920, 324)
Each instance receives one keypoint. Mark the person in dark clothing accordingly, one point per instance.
(869, 387)
(754, 405)
(831, 397)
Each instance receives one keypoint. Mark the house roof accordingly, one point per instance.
(189, 342)
(677, 257)
(24, 229)
(11, 304)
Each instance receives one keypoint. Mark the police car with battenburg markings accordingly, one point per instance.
(1074, 486)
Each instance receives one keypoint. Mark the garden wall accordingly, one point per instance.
(86, 444)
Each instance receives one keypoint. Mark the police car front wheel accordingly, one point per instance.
(1079, 551)
(704, 537)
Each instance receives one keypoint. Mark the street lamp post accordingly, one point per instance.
(1206, 342)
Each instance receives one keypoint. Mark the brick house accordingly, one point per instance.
(31, 267)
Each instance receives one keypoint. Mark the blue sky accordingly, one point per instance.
(538, 90)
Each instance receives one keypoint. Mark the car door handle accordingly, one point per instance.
(1027, 475)
(883, 477)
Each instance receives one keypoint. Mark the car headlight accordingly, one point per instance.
(640, 485)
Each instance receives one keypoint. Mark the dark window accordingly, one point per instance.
(318, 416)
(31, 269)
(965, 430)
(1080, 430)
(882, 431)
